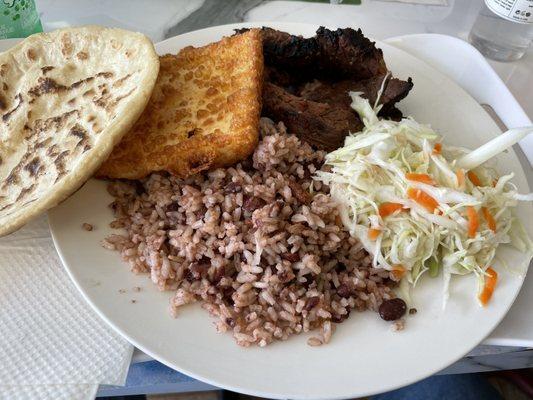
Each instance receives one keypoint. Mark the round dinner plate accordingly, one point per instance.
(365, 356)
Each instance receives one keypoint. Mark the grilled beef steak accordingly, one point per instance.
(320, 124)
(337, 93)
(308, 80)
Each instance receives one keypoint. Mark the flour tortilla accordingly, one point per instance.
(66, 98)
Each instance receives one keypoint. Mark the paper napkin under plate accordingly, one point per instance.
(52, 344)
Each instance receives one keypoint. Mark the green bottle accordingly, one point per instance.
(18, 19)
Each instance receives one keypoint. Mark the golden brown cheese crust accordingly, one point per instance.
(203, 113)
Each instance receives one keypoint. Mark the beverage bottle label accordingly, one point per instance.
(18, 19)
(520, 11)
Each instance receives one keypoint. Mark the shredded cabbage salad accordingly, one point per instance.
(401, 193)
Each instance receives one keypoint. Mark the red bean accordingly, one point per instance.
(393, 309)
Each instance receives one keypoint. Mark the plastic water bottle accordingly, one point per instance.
(503, 29)
(18, 19)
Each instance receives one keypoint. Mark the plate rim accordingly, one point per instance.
(185, 371)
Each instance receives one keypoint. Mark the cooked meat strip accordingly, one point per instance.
(290, 52)
(348, 53)
(322, 125)
(343, 54)
(394, 90)
(281, 78)
(393, 113)
(320, 112)
(307, 81)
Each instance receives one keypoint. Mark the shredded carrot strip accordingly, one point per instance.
(460, 177)
(473, 221)
(474, 178)
(494, 182)
(398, 271)
(437, 148)
(422, 198)
(373, 233)
(491, 222)
(386, 208)
(490, 284)
(424, 178)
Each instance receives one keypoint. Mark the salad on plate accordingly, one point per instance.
(423, 207)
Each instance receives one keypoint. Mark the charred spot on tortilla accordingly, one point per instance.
(47, 69)
(8, 115)
(33, 166)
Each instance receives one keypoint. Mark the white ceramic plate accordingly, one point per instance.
(364, 356)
